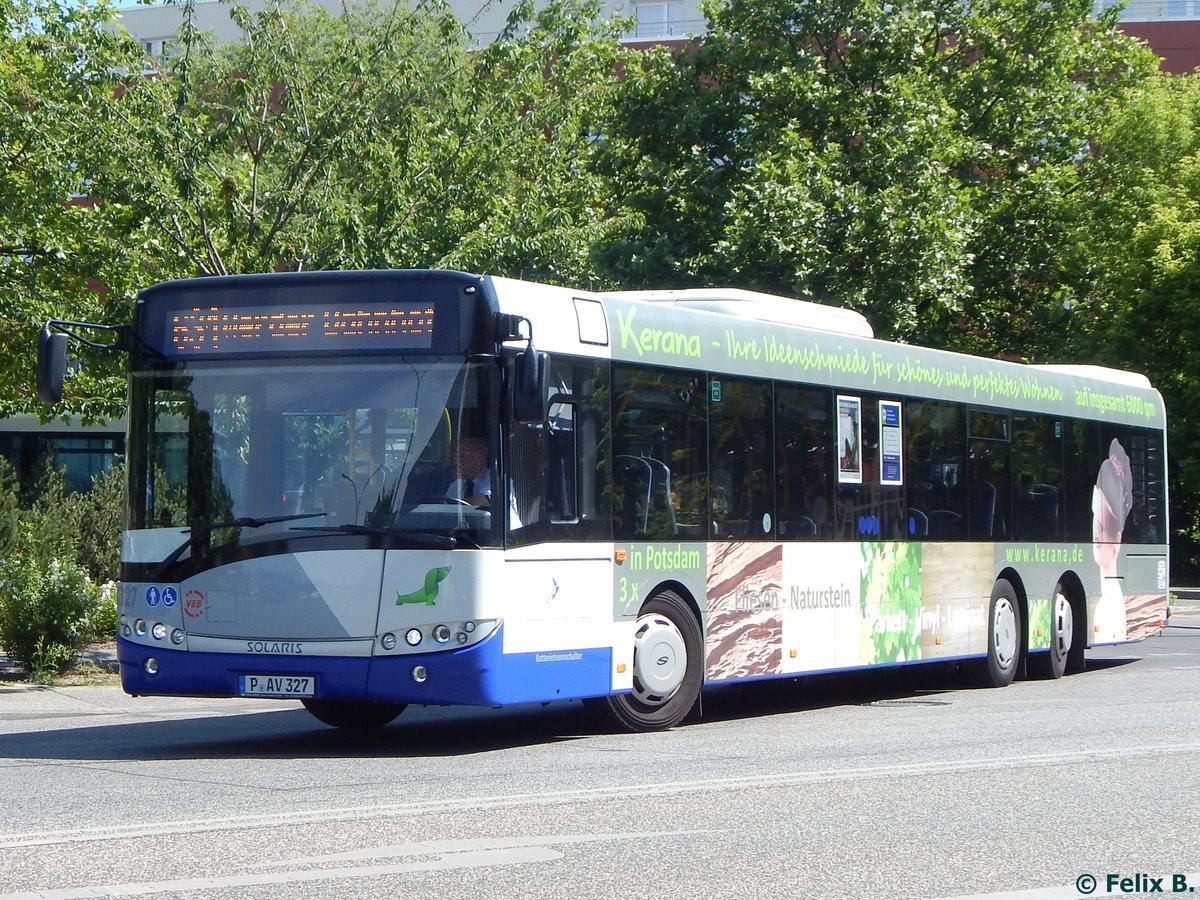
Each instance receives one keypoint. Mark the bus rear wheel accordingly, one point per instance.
(1004, 636)
(1062, 637)
(667, 667)
(353, 715)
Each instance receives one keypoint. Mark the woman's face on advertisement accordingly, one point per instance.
(1106, 531)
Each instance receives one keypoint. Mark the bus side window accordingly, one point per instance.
(803, 462)
(741, 459)
(1038, 477)
(936, 456)
(562, 458)
(556, 468)
(989, 475)
(526, 472)
(660, 418)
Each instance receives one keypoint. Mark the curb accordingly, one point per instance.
(103, 656)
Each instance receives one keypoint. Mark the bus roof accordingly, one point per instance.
(760, 307)
(1100, 373)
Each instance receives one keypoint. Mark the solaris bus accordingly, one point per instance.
(364, 490)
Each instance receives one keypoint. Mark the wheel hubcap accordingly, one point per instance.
(1004, 628)
(659, 659)
(1063, 626)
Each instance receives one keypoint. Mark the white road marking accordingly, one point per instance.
(470, 860)
(471, 853)
(639, 791)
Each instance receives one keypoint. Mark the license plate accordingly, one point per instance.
(276, 685)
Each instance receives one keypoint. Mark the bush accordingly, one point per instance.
(59, 555)
(98, 517)
(102, 619)
(12, 511)
(48, 606)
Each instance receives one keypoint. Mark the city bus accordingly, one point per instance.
(365, 490)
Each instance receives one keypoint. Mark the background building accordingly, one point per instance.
(661, 20)
(1170, 27)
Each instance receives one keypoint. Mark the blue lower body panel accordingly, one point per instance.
(480, 675)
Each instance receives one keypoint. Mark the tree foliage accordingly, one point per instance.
(58, 249)
(373, 138)
(1143, 231)
(995, 176)
(376, 138)
(910, 160)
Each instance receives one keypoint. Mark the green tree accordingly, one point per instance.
(909, 160)
(1143, 230)
(375, 138)
(57, 247)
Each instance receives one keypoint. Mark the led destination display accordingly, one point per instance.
(274, 329)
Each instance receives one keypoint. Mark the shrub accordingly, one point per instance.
(12, 511)
(102, 619)
(48, 661)
(47, 605)
(98, 516)
(59, 555)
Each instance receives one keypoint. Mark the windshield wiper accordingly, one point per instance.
(199, 532)
(422, 540)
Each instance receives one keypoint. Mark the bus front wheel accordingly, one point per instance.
(667, 667)
(1004, 636)
(353, 715)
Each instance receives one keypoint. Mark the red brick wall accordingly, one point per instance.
(1176, 41)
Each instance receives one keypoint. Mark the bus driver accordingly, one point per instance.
(469, 464)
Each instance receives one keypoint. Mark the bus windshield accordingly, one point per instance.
(372, 447)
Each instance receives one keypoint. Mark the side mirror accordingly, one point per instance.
(51, 364)
(529, 392)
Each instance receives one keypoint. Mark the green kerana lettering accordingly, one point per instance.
(812, 357)
(739, 349)
(1032, 389)
(655, 340)
(657, 558)
(1126, 404)
(995, 384)
(917, 373)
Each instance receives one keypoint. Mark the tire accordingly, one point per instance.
(1062, 637)
(353, 715)
(1004, 636)
(667, 667)
(1076, 660)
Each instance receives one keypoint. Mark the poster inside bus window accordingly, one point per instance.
(891, 440)
(849, 440)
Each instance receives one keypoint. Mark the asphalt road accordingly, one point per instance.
(891, 785)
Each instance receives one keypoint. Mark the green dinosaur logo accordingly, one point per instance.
(429, 591)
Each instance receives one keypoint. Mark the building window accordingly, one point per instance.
(156, 47)
(658, 20)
